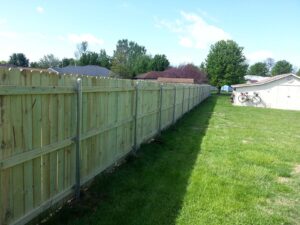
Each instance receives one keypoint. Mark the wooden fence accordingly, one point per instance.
(53, 126)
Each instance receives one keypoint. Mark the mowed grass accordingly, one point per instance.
(219, 165)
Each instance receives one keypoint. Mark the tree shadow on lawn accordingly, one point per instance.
(150, 187)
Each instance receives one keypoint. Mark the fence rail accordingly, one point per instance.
(56, 135)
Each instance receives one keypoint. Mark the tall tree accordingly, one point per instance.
(260, 69)
(34, 65)
(49, 61)
(81, 49)
(159, 63)
(225, 64)
(270, 63)
(282, 67)
(18, 59)
(88, 58)
(203, 67)
(104, 60)
(142, 64)
(125, 57)
(68, 62)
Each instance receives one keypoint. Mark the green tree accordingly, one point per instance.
(3, 62)
(142, 64)
(298, 73)
(260, 69)
(160, 63)
(68, 62)
(104, 60)
(125, 57)
(203, 67)
(282, 67)
(49, 61)
(81, 49)
(270, 63)
(34, 65)
(225, 64)
(18, 59)
(89, 58)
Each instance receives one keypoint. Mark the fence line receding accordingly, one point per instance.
(39, 131)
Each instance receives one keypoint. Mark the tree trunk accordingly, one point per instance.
(219, 90)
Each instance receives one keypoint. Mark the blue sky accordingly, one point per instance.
(183, 30)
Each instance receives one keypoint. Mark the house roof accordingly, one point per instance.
(89, 70)
(255, 78)
(265, 81)
(175, 80)
(185, 72)
(7, 65)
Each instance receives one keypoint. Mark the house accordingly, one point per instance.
(182, 74)
(254, 78)
(89, 70)
(279, 92)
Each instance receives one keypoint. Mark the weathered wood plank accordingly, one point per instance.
(45, 130)
(60, 137)
(36, 138)
(27, 133)
(17, 147)
(6, 192)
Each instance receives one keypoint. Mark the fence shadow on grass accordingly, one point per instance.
(148, 188)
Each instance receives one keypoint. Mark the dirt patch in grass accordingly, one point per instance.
(283, 180)
(245, 141)
(284, 202)
(297, 169)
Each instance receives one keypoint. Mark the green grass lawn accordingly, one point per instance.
(219, 165)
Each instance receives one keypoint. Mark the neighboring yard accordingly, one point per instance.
(219, 165)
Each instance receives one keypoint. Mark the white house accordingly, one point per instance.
(279, 92)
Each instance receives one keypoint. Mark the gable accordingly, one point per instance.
(290, 80)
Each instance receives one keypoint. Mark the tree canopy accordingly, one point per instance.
(270, 62)
(225, 64)
(104, 60)
(126, 59)
(159, 63)
(49, 61)
(81, 48)
(88, 58)
(68, 62)
(282, 67)
(260, 69)
(19, 59)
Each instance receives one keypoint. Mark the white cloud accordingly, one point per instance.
(193, 31)
(91, 39)
(40, 9)
(259, 56)
(32, 44)
(208, 16)
(186, 42)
